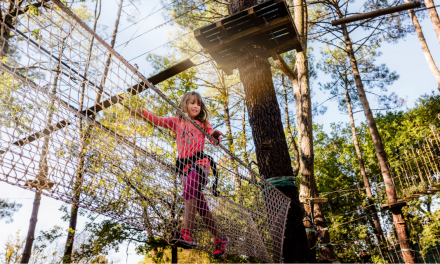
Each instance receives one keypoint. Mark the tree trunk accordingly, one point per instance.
(289, 130)
(42, 165)
(268, 133)
(424, 45)
(377, 226)
(399, 221)
(173, 254)
(434, 17)
(308, 187)
(31, 232)
(5, 30)
(243, 131)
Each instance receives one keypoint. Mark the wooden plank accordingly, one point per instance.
(222, 29)
(282, 7)
(291, 42)
(249, 33)
(244, 12)
(171, 71)
(253, 16)
(244, 25)
(393, 205)
(318, 200)
(200, 38)
(376, 13)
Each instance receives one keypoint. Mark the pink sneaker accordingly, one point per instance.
(220, 247)
(186, 238)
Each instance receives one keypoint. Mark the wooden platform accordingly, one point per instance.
(318, 200)
(269, 21)
(420, 193)
(393, 205)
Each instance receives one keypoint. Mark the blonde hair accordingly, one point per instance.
(184, 102)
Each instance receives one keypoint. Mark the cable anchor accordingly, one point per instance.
(267, 24)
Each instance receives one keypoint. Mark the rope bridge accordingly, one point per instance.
(66, 132)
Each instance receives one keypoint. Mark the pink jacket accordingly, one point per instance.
(188, 138)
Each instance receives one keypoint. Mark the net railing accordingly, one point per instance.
(66, 132)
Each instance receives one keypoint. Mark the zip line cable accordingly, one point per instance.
(141, 25)
(142, 19)
(163, 24)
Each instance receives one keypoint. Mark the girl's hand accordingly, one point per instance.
(216, 134)
(136, 112)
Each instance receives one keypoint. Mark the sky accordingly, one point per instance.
(405, 58)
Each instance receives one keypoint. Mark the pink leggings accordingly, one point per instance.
(192, 191)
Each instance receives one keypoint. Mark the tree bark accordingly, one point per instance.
(308, 187)
(5, 30)
(31, 232)
(229, 138)
(173, 254)
(243, 131)
(377, 226)
(42, 165)
(434, 17)
(425, 49)
(268, 133)
(399, 221)
(289, 130)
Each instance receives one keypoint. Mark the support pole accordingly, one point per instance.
(376, 13)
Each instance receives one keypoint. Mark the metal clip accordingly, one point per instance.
(267, 24)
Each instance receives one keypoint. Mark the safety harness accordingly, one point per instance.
(182, 162)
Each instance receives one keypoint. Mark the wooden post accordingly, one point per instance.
(376, 13)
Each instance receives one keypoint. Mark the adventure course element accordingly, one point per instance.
(68, 135)
(270, 22)
(377, 13)
(416, 173)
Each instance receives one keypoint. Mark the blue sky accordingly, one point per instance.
(405, 58)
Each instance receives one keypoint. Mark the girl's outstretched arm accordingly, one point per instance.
(214, 133)
(165, 122)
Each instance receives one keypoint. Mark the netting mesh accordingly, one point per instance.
(66, 132)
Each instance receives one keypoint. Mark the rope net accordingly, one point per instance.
(66, 132)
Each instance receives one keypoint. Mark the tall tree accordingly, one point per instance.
(434, 17)
(335, 62)
(425, 49)
(268, 133)
(300, 79)
(399, 221)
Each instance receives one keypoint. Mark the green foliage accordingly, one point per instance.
(7, 210)
(375, 78)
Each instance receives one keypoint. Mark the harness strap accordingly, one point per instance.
(181, 163)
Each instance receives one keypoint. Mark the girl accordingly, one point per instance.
(190, 144)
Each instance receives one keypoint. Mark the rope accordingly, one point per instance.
(121, 166)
